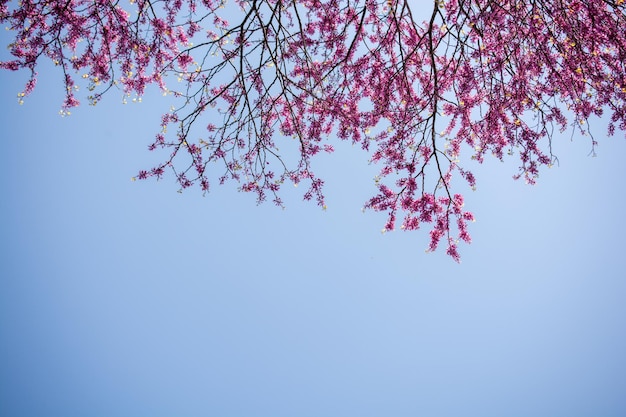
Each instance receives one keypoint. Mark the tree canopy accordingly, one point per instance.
(421, 86)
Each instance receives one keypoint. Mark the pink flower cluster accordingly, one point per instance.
(472, 79)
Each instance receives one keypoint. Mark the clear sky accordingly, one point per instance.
(121, 298)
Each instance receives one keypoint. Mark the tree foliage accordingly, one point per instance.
(475, 77)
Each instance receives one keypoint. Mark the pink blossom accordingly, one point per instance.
(421, 98)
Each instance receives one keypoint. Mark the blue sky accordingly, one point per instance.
(123, 298)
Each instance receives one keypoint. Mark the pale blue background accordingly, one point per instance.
(122, 298)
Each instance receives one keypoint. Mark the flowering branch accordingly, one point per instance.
(477, 77)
